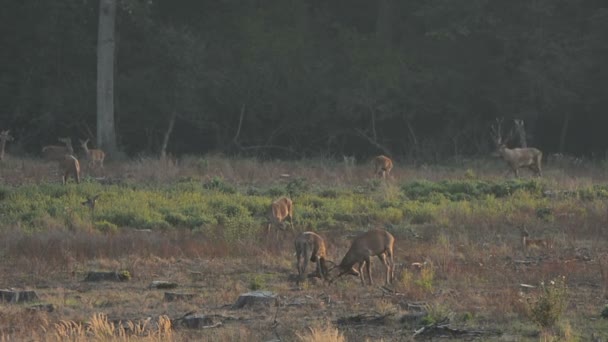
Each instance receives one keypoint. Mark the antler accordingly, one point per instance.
(496, 132)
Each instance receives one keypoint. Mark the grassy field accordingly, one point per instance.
(201, 222)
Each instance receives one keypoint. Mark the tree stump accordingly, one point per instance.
(17, 296)
(255, 298)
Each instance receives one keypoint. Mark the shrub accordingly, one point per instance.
(604, 313)
(546, 309)
(297, 186)
(218, 183)
(106, 227)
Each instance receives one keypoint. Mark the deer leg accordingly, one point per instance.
(306, 257)
(361, 265)
(384, 260)
(368, 263)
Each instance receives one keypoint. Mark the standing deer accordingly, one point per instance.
(281, 209)
(383, 165)
(516, 158)
(94, 156)
(376, 242)
(53, 152)
(4, 137)
(310, 246)
(536, 243)
(70, 166)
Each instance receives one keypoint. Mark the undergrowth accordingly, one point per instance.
(241, 212)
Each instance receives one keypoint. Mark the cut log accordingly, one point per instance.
(198, 321)
(161, 284)
(107, 276)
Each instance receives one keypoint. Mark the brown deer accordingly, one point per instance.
(281, 209)
(4, 137)
(54, 152)
(376, 242)
(311, 246)
(516, 158)
(382, 165)
(533, 243)
(70, 166)
(94, 156)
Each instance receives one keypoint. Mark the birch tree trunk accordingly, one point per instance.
(106, 133)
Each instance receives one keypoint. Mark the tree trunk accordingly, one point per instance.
(106, 133)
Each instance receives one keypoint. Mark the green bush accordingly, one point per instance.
(549, 304)
(218, 183)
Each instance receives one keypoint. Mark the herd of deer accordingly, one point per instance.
(309, 245)
(69, 164)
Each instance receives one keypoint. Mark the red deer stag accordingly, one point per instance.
(4, 137)
(280, 210)
(57, 153)
(311, 246)
(382, 165)
(376, 242)
(70, 166)
(516, 158)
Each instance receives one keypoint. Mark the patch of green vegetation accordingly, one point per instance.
(466, 190)
(239, 214)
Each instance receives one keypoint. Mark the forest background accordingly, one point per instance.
(414, 79)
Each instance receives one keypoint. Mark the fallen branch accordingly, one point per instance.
(443, 329)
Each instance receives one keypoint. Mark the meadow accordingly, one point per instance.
(201, 222)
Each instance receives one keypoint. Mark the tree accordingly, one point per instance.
(106, 132)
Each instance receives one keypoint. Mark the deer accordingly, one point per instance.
(536, 243)
(382, 165)
(311, 246)
(375, 242)
(4, 137)
(70, 166)
(54, 152)
(95, 156)
(281, 209)
(516, 158)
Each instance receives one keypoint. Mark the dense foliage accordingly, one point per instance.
(413, 78)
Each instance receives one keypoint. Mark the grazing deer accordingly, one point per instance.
(53, 152)
(376, 242)
(4, 137)
(516, 158)
(535, 243)
(70, 166)
(311, 246)
(281, 209)
(383, 165)
(94, 156)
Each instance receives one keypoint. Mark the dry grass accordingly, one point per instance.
(325, 333)
(472, 269)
